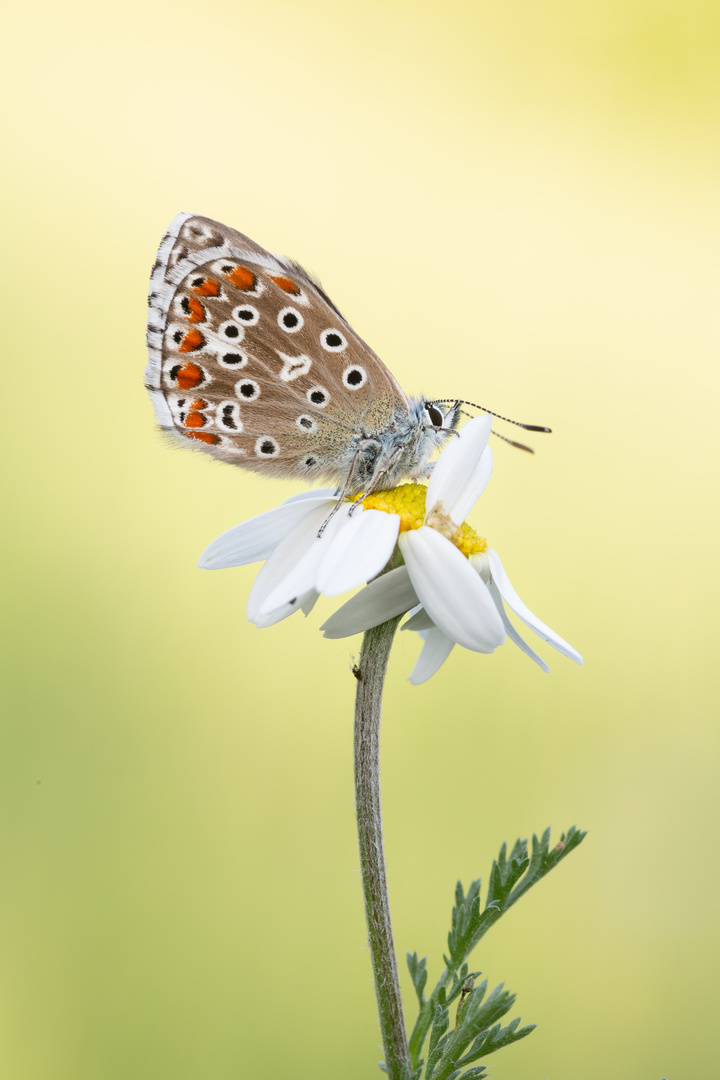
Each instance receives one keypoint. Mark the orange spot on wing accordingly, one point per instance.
(204, 436)
(209, 287)
(192, 340)
(285, 284)
(195, 417)
(189, 376)
(241, 277)
(194, 310)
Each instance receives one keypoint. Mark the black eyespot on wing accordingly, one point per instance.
(354, 377)
(248, 390)
(247, 315)
(228, 416)
(318, 396)
(332, 340)
(266, 447)
(290, 320)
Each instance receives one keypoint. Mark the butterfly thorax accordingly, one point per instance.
(400, 451)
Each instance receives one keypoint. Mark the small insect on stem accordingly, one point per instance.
(467, 988)
(357, 672)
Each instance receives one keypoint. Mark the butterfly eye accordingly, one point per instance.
(436, 417)
(333, 341)
(290, 320)
(354, 377)
(266, 447)
(318, 396)
(247, 315)
(247, 390)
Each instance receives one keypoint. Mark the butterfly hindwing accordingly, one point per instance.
(250, 361)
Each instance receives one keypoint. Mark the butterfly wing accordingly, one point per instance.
(250, 361)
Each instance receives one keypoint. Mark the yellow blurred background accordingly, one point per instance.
(513, 203)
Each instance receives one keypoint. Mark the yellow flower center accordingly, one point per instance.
(408, 502)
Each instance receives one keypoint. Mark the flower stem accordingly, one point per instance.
(368, 701)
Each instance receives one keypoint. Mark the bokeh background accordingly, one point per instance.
(514, 203)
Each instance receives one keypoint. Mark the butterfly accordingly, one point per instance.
(252, 362)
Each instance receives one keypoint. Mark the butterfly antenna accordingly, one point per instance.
(511, 442)
(461, 401)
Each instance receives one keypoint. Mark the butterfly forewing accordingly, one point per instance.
(250, 361)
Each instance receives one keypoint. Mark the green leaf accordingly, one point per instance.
(441, 1022)
(510, 878)
(478, 1015)
(495, 1038)
(418, 974)
(543, 859)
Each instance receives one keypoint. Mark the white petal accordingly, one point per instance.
(512, 632)
(301, 572)
(303, 603)
(434, 653)
(257, 538)
(513, 601)
(462, 471)
(419, 620)
(284, 558)
(383, 599)
(308, 602)
(314, 493)
(455, 597)
(359, 552)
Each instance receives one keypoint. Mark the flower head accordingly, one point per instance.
(450, 581)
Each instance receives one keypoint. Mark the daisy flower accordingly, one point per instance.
(451, 582)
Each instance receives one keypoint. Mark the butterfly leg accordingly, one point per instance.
(341, 497)
(379, 476)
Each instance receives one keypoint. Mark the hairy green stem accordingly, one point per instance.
(368, 701)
